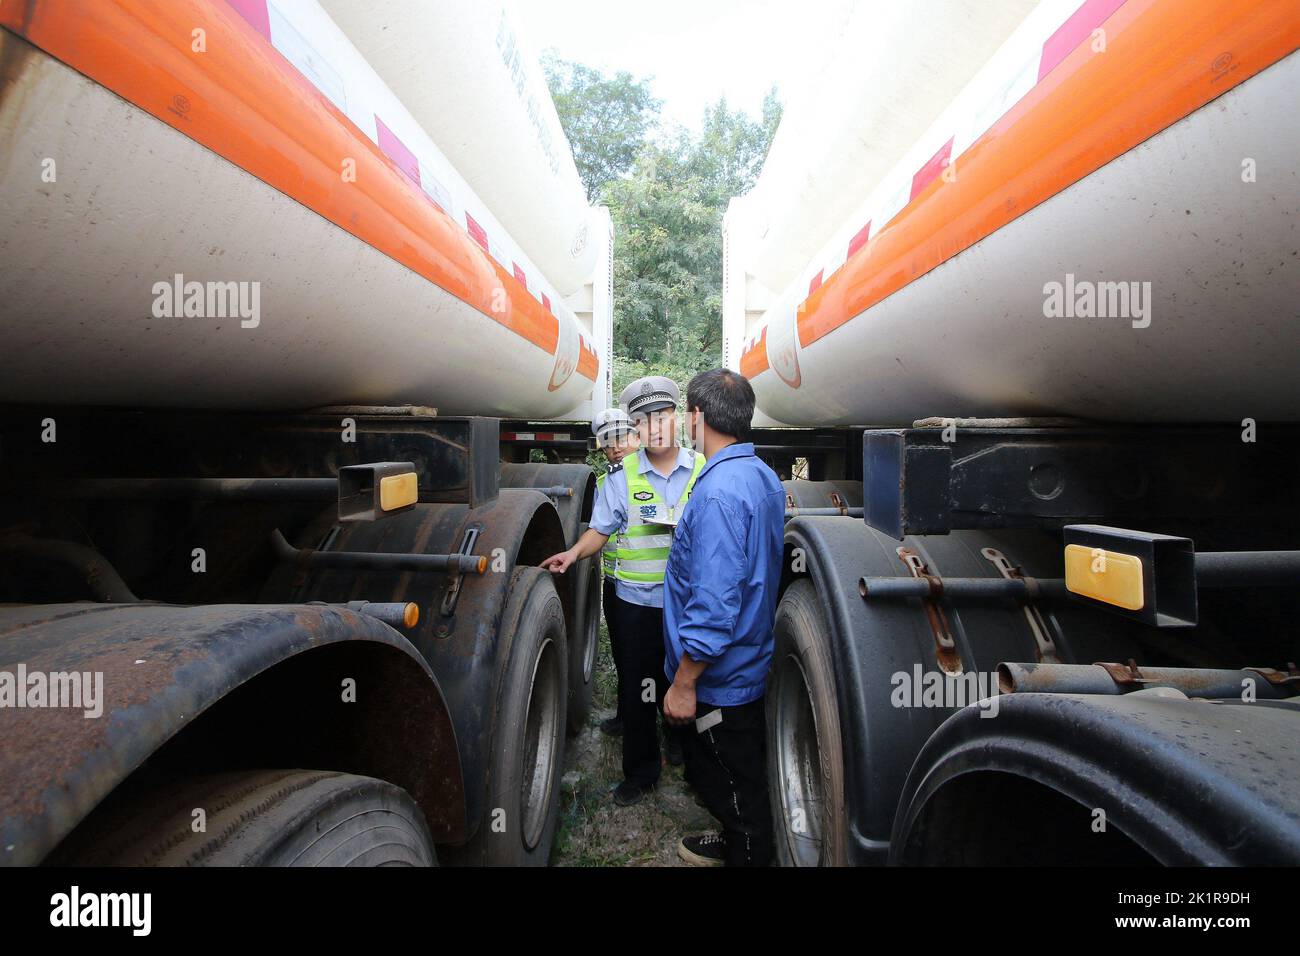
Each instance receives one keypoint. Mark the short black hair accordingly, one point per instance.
(725, 398)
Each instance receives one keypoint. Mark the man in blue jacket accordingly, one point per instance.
(720, 591)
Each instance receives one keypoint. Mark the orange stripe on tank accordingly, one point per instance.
(754, 360)
(245, 102)
(588, 364)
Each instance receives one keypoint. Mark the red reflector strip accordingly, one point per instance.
(476, 232)
(256, 13)
(1074, 31)
(396, 150)
(519, 275)
(859, 239)
(546, 301)
(931, 170)
(815, 283)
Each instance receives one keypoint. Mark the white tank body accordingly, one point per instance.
(460, 68)
(974, 308)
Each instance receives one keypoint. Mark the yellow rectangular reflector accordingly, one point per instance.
(1107, 576)
(398, 491)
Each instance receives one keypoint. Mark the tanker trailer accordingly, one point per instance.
(1055, 349)
(260, 334)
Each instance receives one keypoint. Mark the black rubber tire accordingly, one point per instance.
(528, 732)
(583, 646)
(264, 818)
(805, 758)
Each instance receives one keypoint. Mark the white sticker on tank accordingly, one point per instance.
(783, 347)
(294, 48)
(566, 353)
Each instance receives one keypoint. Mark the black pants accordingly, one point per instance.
(608, 600)
(727, 766)
(639, 657)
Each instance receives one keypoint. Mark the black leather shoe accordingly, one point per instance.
(626, 794)
(612, 726)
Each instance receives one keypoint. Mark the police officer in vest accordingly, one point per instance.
(641, 502)
(617, 437)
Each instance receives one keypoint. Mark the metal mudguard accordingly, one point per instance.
(460, 643)
(872, 641)
(1189, 781)
(166, 670)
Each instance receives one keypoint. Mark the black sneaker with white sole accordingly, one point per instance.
(707, 849)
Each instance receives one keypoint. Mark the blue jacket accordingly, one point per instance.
(724, 569)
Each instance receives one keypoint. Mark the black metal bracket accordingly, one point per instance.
(186, 455)
(914, 482)
(462, 562)
(452, 594)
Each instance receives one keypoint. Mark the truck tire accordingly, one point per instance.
(523, 804)
(582, 580)
(805, 760)
(262, 818)
(584, 645)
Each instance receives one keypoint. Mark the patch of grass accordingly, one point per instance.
(595, 832)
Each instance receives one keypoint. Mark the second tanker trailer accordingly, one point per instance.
(1043, 567)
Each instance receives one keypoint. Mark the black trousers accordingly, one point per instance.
(641, 688)
(727, 766)
(608, 598)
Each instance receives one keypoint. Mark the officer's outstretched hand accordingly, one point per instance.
(558, 563)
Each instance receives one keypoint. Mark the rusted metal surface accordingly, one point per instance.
(100, 576)
(1111, 678)
(162, 667)
(1046, 647)
(841, 495)
(462, 648)
(1190, 782)
(1289, 677)
(945, 648)
(1125, 675)
(573, 487)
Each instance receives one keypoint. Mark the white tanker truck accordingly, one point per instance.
(1019, 297)
(264, 267)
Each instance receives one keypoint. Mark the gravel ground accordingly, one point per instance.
(595, 832)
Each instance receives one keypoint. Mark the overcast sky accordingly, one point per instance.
(696, 50)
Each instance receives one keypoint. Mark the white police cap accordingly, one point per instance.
(609, 424)
(650, 394)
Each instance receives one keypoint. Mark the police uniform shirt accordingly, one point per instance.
(609, 515)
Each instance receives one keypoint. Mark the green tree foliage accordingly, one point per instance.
(606, 118)
(667, 194)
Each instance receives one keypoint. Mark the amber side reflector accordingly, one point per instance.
(411, 616)
(398, 491)
(1106, 576)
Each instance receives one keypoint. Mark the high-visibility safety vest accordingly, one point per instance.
(608, 552)
(642, 553)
